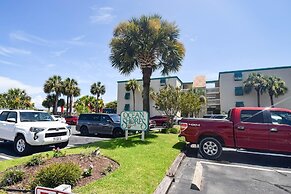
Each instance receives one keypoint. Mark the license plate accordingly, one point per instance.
(57, 139)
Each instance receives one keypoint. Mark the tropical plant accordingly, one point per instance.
(112, 105)
(192, 102)
(167, 100)
(16, 99)
(61, 103)
(275, 87)
(148, 43)
(71, 90)
(97, 89)
(54, 85)
(255, 81)
(85, 104)
(48, 102)
(132, 85)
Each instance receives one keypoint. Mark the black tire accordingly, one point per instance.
(165, 125)
(21, 147)
(84, 130)
(117, 132)
(210, 148)
(62, 145)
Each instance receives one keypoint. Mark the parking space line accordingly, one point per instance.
(246, 167)
(6, 157)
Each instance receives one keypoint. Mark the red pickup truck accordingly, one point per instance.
(250, 128)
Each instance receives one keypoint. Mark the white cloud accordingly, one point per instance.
(37, 100)
(78, 38)
(8, 63)
(102, 14)
(60, 52)
(7, 83)
(22, 36)
(8, 51)
(51, 65)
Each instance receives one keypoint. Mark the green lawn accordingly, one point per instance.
(142, 164)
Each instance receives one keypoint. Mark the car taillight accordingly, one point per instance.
(183, 126)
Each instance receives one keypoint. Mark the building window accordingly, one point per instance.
(239, 91)
(239, 104)
(127, 96)
(163, 81)
(126, 107)
(238, 76)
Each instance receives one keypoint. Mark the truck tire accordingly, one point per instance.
(210, 148)
(21, 147)
(117, 132)
(84, 130)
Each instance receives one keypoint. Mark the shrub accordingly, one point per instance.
(58, 153)
(11, 177)
(174, 130)
(88, 172)
(165, 130)
(57, 174)
(35, 160)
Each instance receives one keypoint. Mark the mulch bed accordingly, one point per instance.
(100, 164)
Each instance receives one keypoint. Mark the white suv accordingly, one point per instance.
(28, 128)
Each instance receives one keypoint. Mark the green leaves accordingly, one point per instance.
(15, 98)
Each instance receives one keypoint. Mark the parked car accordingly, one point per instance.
(71, 120)
(152, 124)
(59, 118)
(160, 120)
(215, 116)
(99, 123)
(250, 128)
(28, 128)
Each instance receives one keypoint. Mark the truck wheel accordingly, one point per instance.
(165, 125)
(210, 148)
(117, 132)
(21, 147)
(62, 145)
(84, 130)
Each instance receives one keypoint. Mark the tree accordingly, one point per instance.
(97, 89)
(54, 85)
(3, 102)
(17, 99)
(192, 102)
(61, 103)
(132, 85)
(275, 86)
(85, 104)
(148, 43)
(71, 90)
(112, 105)
(48, 102)
(255, 81)
(167, 100)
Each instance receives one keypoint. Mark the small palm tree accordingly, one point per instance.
(275, 86)
(97, 89)
(132, 85)
(49, 101)
(255, 81)
(54, 85)
(147, 43)
(17, 98)
(71, 89)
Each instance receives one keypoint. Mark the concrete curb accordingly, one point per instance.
(197, 178)
(168, 179)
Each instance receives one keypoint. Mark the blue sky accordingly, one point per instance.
(70, 38)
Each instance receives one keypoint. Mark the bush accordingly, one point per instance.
(57, 174)
(165, 130)
(58, 153)
(11, 177)
(174, 130)
(87, 172)
(35, 160)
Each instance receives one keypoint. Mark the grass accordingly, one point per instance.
(143, 164)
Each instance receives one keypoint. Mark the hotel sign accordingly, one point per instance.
(134, 120)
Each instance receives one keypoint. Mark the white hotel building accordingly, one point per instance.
(221, 94)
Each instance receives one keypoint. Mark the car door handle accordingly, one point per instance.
(241, 128)
(273, 130)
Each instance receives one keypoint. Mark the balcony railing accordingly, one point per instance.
(212, 90)
(211, 102)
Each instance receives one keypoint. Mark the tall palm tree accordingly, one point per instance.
(97, 89)
(275, 86)
(48, 102)
(132, 85)
(18, 99)
(148, 43)
(54, 85)
(255, 81)
(71, 90)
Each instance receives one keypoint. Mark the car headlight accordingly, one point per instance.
(36, 129)
(69, 127)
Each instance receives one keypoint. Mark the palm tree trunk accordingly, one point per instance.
(258, 98)
(56, 104)
(272, 100)
(71, 105)
(133, 95)
(97, 109)
(67, 104)
(146, 77)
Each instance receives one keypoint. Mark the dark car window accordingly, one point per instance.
(12, 115)
(252, 116)
(3, 116)
(115, 118)
(90, 117)
(105, 118)
(279, 117)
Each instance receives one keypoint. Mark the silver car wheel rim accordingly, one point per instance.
(20, 145)
(210, 148)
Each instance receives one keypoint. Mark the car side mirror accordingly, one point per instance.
(109, 121)
(11, 120)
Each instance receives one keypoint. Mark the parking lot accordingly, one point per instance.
(7, 152)
(234, 173)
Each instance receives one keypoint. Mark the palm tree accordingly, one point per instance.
(48, 102)
(256, 81)
(54, 84)
(132, 85)
(148, 43)
(275, 86)
(98, 90)
(17, 99)
(71, 89)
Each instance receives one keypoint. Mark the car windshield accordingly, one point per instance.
(57, 116)
(115, 118)
(35, 116)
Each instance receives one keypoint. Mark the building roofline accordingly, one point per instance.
(211, 81)
(258, 69)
